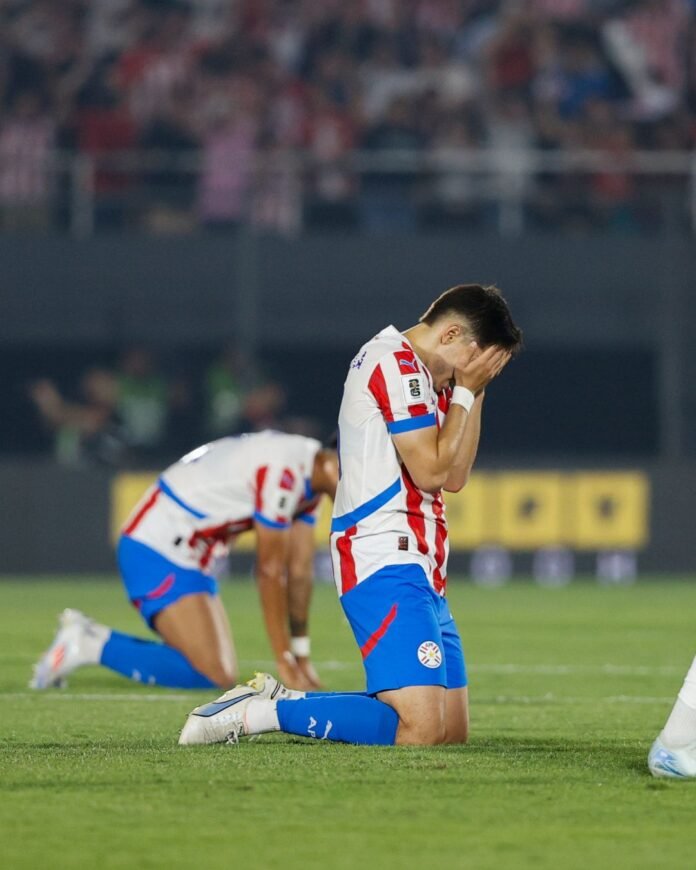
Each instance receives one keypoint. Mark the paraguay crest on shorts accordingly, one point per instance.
(429, 654)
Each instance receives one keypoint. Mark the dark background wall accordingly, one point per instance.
(606, 371)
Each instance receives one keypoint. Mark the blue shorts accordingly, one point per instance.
(405, 631)
(153, 582)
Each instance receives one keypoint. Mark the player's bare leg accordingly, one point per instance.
(422, 714)
(457, 715)
(197, 626)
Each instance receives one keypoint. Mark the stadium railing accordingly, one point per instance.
(507, 191)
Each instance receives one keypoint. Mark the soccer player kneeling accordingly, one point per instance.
(267, 481)
(409, 427)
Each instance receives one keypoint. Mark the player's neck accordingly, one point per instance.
(420, 338)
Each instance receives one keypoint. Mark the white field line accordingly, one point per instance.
(497, 700)
(560, 700)
(562, 670)
(60, 695)
(481, 668)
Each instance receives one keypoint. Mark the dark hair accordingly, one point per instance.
(484, 310)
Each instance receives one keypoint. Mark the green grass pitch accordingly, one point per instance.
(568, 689)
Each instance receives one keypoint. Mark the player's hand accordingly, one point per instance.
(309, 671)
(476, 368)
(290, 674)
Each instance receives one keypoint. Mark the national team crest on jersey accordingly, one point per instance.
(287, 481)
(429, 654)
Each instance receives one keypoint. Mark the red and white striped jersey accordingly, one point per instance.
(380, 517)
(218, 490)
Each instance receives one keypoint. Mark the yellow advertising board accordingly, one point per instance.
(531, 510)
(611, 510)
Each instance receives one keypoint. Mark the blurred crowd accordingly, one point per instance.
(248, 111)
(132, 415)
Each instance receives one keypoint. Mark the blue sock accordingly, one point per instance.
(348, 718)
(153, 663)
(334, 694)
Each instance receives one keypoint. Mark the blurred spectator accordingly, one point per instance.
(388, 199)
(225, 383)
(330, 137)
(238, 397)
(105, 129)
(26, 139)
(142, 403)
(229, 144)
(87, 430)
(170, 142)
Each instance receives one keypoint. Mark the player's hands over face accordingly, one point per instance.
(476, 368)
(290, 674)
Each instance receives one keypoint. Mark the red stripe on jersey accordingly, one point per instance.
(260, 478)
(439, 580)
(376, 636)
(406, 359)
(213, 535)
(137, 519)
(408, 365)
(444, 398)
(414, 511)
(378, 387)
(287, 480)
(344, 545)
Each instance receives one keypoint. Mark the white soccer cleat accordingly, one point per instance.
(673, 763)
(65, 653)
(221, 720)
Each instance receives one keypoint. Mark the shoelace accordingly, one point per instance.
(232, 738)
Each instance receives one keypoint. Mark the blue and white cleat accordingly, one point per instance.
(220, 721)
(672, 763)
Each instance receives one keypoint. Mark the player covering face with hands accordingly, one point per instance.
(409, 427)
(168, 550)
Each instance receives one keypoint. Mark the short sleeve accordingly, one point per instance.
(278, 493)
(402, 392)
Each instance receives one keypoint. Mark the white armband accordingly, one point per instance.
(464, 397)
(300, 647)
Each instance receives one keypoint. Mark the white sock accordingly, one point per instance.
(680, 729)
(92, 641)
(261, 716)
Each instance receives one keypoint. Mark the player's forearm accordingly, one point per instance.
(464, 462)
(299, 598)
(438, 466)
(273, 594)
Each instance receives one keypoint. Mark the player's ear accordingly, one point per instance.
(451, 333)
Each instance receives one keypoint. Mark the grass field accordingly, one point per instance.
(568, 689)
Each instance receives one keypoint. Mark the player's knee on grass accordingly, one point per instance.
(457, 733)
(421, 710)
(457, 716)
(420, 733)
